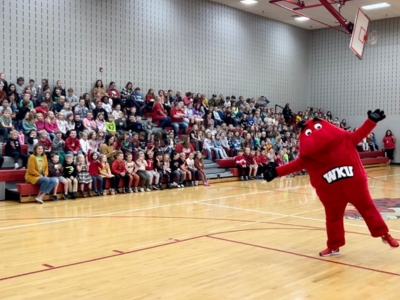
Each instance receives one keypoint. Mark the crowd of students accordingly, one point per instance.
(93, 171)
(112, 135)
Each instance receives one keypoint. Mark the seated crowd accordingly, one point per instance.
(125, 135)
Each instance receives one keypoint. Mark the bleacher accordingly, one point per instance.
(369, 160)
(14, 187)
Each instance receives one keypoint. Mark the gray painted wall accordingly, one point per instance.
(350, 87)
(194, 45)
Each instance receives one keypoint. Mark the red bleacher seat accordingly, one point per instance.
(24, 149)
(372, 154)
(374, 161)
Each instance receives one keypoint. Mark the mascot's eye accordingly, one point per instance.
(308, 132)
(318, 126)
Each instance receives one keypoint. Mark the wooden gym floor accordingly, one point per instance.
(235, 240)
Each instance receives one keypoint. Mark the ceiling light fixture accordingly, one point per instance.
(376, 6)
(249, 1)
(301, 19)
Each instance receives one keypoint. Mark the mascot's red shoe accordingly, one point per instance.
(330, 157)
(329, 252)
(387, 239)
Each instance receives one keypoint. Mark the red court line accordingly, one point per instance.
(305, 256)
(118, 251)
(190, 218)
(95, 259)
(175, 241)
(47, 265)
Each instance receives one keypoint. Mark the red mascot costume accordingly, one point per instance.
(329, 155)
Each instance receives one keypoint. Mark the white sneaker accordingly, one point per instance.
(130, 190)
(148, 190)
(174, 184)
(196, 182)
(16, 166)
(182, 186)
(38, 200)
(142, 190)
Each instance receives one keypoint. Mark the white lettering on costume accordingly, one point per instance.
(338, 173)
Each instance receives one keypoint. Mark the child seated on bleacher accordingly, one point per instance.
(6, 124)
(118, 168)
(199, 165)
(94, 165)
(192, 169)
(165, 163)
(45, 142)
(159, 167)
(13, 149)
(56, 170)
(185, 169)
(150, 169)
(131, 168)
(58, 145)
(242, 165)
(32, 141)
(175, 166)
(261, 160)
(70, 173)
(83, 175)
(105, 172)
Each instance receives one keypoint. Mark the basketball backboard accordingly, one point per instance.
(360, 34)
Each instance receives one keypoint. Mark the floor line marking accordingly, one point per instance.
(123, 211)
(386, 188)
(384, 176)
(174, 242)
(48, 266)
(305, 256)
(283, 215)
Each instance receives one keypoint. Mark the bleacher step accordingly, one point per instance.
(209, 166)
(221, 175)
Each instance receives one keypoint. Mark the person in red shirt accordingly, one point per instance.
(72, 145)
(251, 163)
(94, 165)
(177, 118)
(149, 99)
(188, 98)
(43, 109)
(185, 146)
(160, 114)
(261, 160)
(389, 144)
(151, 172)
(118, 168)
(242, 165)
(45, 142)
(114, 94)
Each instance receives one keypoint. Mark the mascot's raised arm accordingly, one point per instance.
(330, 156)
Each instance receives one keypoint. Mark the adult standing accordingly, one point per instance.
(287, 113)
(3, 82)
(38, 171)
(389, 144)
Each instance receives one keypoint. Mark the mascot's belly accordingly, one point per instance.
(342, 177)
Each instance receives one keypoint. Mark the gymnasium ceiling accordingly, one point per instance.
(349, 10)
